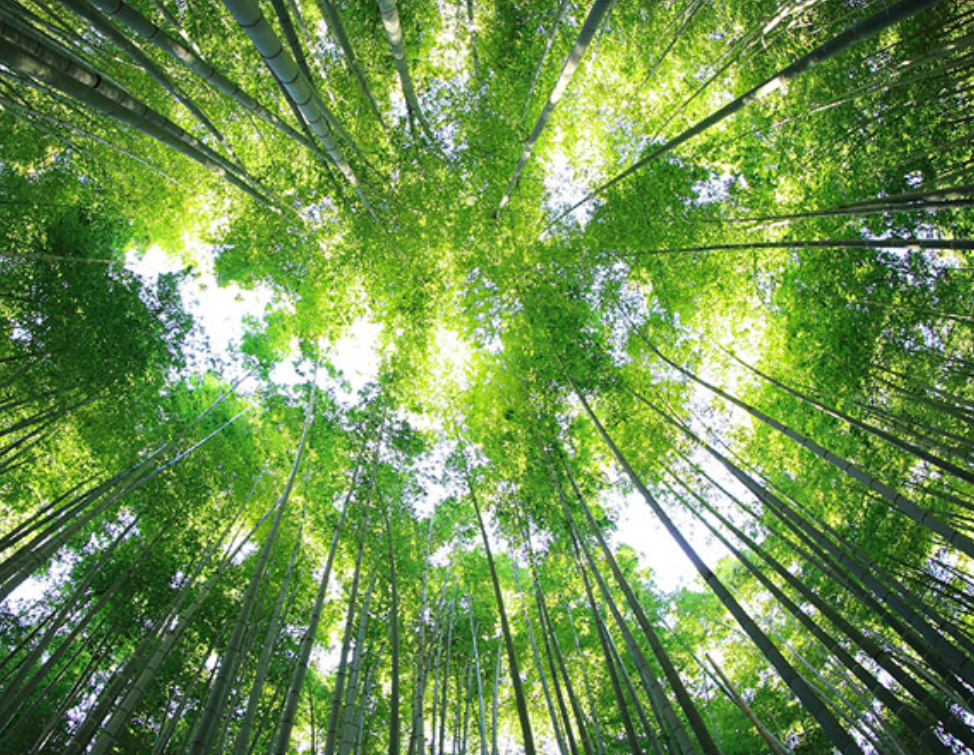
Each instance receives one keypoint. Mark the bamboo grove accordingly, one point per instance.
(694, 269)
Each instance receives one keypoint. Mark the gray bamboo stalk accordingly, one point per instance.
(54, 519)
(68, 63)
(830, 726)
(181, 53)
(480, 688)
(552, 714)
(54, 620)
(733, 55)
(553, 646)
(589, 27)
(648, 732)
(892, 440)
(845, 708)
(242, 742)
(905, 505)
(700, 730)
(587, 684)
(457, 709)
(106, 29)
(41, 516)
(684, 19)
(620, 697)
(341, 674)
(868, 27)
(512, 664)
(33, 554)
(219, 690)
(27, 64)
(349, 723)
(879, 654)
(881, 693)
(444, 613)
(298, 17)
(932, 645)
(390, 21)
(669, 722)
(446, 675)
(466, 707)
(53, 123)
(494, 706)
(394, 729)
(331, 16)
(319, 118)
(81, 683)
(18, 689)
(417, 738)
(282, 737)
(361, 727)
(549, 41)
(283, 14)
(187, 699)
(145, 662)
(769, 739)
(933, 200)
(437, 674)
(915, 244)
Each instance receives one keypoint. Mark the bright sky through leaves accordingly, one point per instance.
(642, 354)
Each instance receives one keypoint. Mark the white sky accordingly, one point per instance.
(220, 314)
(638, 528)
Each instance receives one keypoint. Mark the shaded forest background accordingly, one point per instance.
(710, 258)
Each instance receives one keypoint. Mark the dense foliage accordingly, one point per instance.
(685, 271)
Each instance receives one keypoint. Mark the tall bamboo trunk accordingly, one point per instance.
(390, 21)
(282, 737)
(557, 661)
(18, 690)
(132, 682)
(674, 732)
(446, 676)
(877, 432)
(610, 665)
(496, 702)
(549, 41)
(536, 656)
(341, 673)
(242, 743)
(689, 708)
(417, 737)
(769, 739)
(512, 664)
(330, 13)
(912, 244)
(881, 693)
(928, 641)
(349, 719)
(648, 732)
(95, 93)
(593, 711)
(219, 691)
(589, 27)
(809, 698)
(394, 729)
(320, 119)
(868, 645)
(481, 718)
(106, 29)
(868, 27)
(187, 57)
